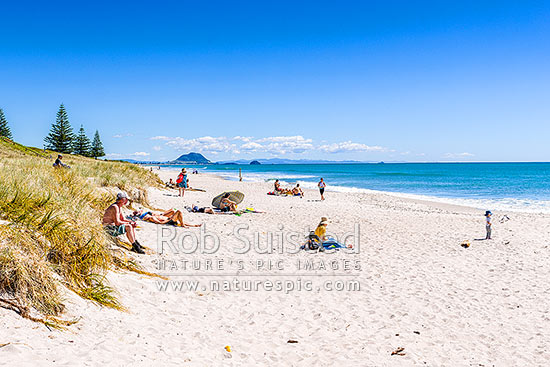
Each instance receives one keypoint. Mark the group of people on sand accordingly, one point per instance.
(295, 191)
(116, 224)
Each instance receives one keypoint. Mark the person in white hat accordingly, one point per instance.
(115, 224)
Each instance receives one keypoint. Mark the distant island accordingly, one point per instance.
(255, 163)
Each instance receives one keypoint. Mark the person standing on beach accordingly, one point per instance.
(322, 186)
(182, 181)
(488, 224)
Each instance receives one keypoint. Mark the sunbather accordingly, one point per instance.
(115, 224)
(169, 217)
(297, 191)
(206, 210)
(228, 205)
(278, 186)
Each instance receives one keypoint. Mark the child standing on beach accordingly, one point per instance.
(488, 224)
(322, 186)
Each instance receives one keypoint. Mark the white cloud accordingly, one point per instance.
(203, 144)
(243, 138)
(140, 154)
(285, 144)
(274, 145)
(349, 146)
(251, 147)
(160, 137)
(120, 136)
(458, 155)
(157, 148)
(113, 155)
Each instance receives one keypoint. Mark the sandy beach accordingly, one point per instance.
(419, 290)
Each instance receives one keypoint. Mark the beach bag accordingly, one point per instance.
(313, 241)
(180, 178)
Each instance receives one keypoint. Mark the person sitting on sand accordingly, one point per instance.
(488, 224)
(182, 181)
(170, 184)
(169, 217)
(227, 205)
(297, 191)
(58, 163)
(321, 230)
(278, 186)
(115, 224)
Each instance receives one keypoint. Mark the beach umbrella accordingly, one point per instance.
(235, 196)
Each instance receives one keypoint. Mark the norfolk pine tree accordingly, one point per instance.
(4, 128)
(60, 138)
(97, 147)
(81, 143)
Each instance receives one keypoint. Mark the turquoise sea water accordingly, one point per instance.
(504, 186)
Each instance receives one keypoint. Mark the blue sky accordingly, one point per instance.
(392, 80)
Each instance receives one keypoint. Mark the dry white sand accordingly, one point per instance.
(419, 290)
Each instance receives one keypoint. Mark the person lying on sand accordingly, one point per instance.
(297, 191)
(169, 217)
(227, 205)
(206, 210)
(115, 224)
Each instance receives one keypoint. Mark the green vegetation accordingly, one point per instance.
(51, 237)
(81, 143)
(97, 147)
(4, 128)
(60, 138)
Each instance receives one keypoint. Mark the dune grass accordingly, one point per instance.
(51, 234)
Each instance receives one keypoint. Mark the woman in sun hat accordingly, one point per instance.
(321, 230)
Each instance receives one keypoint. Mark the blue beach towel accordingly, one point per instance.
(332, 244)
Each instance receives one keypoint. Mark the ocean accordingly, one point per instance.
(487, 186)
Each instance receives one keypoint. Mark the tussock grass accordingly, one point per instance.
(52, 235)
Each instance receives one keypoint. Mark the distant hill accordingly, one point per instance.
(196, 158)
(255, 163)
(191, 158)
